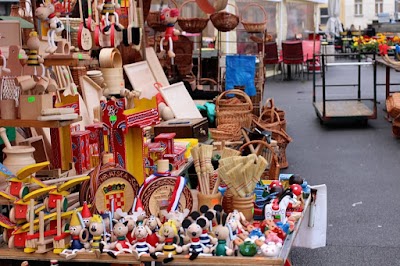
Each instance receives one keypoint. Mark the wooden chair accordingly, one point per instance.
(292, 54)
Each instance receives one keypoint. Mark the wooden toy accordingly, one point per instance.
(271, 249)
(85, 215)
(166, 140)
(84, 36)
(222, 233)
(193, 231)
(154, 224)
(276, 209)
(141, 246)
(132, 35)
(169, 17)
(80, 150)
(77, 231)
(34, 59)
(138, 212)
(4, 68)
(121, 245)
(110, 20)
(167, 234)
(96, 229)
(205, 237)
(46, 11)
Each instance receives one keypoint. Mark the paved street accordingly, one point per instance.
(357, 163)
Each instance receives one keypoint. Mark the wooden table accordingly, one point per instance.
(89, 257)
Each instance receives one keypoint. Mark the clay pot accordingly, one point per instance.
(248, 249)
(244, 205)
(18, 157)
(209, 200)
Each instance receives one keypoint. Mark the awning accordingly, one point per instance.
(23, 23)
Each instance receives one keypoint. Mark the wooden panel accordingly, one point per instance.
(37, 123)
(345, 109)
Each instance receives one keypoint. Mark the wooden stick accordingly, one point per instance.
(41, 227)
(58, 217)
(215, 190)
(31, 216)
(73, 206)
(59, 180)
(246, 137)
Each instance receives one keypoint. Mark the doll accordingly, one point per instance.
(169, 16)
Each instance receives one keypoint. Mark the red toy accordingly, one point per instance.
(169, 16)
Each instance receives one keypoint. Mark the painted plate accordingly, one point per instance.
(156, 195)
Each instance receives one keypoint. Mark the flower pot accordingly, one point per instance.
(244, 205)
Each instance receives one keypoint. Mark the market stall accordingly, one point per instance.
(119, 165)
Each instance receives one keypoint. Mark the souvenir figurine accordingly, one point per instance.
(205, 237)
(223, 235)
(276, 209)
(271, 249)
(141, 246)
(85, 214)
(34, 59)
(138, 211)
(178, 218)
(96, 229)
(109, 8)
(77, 231)
(121, 245)
(167, 235)
(169, 16)
(193, 231)
(154, 224)
(46, 12)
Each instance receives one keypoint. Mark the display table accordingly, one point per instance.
(16, 254)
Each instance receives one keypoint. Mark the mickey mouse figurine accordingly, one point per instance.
(193, 231)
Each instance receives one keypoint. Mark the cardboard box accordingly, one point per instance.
(31, 106)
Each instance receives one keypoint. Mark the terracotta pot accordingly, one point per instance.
(244, 205)
(209, 200)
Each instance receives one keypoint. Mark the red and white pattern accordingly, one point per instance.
(118, 198)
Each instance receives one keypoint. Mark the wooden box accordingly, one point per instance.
(184, 128)
(31, 106)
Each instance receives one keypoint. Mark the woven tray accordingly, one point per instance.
(191, 25)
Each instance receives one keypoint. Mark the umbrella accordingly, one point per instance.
(334, 26)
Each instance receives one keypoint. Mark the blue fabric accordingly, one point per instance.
(241, 71)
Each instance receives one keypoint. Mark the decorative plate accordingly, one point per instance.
(156, 195)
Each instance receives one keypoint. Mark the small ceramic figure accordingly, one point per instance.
(141, 246)
(193, 231)
(169, 16)
(276, 209)
(271, 249)
(46, 11)
(167, 235)
(77, 232)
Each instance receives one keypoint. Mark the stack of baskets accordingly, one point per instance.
(191, 25)
(273, 119)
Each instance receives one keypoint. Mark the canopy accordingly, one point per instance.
(334, 25)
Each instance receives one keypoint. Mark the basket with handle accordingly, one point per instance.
(154, 19)
(226, 132)
(240, 102)
(270, 104)
(191, 25)
(393, 105)
(254, 26)
(236, 113)
(264, 149)
(225, 21)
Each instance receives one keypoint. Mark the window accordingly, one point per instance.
(324, 16)
(378, 6)
(358, 8)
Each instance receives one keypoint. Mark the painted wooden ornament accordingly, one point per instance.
(158, 193)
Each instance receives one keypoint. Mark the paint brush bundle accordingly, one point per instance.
(203, 166)
(242, 173)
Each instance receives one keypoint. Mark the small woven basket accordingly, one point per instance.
(226, 132)
(272, 173)
(254, 26)
(393, 105)
(191, 25)
(228, 113)
(225, 21)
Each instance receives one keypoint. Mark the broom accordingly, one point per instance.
(223, 174)
(228, 152)
(196, 161)
(261, 166)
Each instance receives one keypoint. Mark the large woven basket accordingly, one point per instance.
(225, 21)
(241, 102)
(192, 25)
(254, 26)
(226, 132)
(393, 105)
(228, 113)
(272, 173)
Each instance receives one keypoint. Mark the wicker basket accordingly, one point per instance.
(225, 21)
(254, 26)
(241, 103)
(234, 113)
(226, 132)
(269, 120)
(270, 105)
(268, 151)
(154, 20)
(192, 25)
(393, 105)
